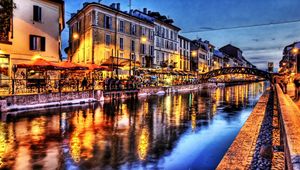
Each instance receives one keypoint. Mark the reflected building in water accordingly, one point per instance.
(124, 134)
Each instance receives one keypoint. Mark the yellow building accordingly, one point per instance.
(105, 35)
(33, 28)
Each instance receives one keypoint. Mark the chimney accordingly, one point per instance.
(113, 5)
(118, 6)
(131, 12)
(149, 12)
(145, 10)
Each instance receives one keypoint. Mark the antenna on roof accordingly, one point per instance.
(99, 1)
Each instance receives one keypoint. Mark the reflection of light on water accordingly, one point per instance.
(143, 144)
(88, 142)
(3, 143)
(194, 121)
(38, 129)
(75, 147)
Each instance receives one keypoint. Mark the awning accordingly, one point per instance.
(120, 62)
(71, 66)
(40, 64)
(97, 67)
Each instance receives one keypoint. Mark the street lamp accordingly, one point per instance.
(75, 36)
(194, 53)
(295, 51)
(144, 39)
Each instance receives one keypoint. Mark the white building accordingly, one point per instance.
(166, 53)
(34, 30)
(185, 54)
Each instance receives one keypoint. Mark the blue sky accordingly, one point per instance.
(260, 44)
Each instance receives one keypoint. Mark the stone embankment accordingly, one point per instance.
(33, 101)
(270, 138)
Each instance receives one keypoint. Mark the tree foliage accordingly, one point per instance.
(6, 13)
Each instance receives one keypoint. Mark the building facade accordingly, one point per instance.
(166, 42)
(32, 30)
(290, 62)
(236, 55)
(184, 54)
(105, 35)
(200, 57)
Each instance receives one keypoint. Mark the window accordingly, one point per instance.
(132, 45)
(143, 48)
(167, 33)
(157, 42)
(121, 43)
(107, 22)
(132, 29)
(107, 39)
(37, 13)
(37, 43)
(121, 26)
(121, 55)
(172, 35)
(151, 50)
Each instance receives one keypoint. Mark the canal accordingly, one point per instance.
(178, 131)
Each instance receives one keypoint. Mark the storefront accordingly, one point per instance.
(4, 69)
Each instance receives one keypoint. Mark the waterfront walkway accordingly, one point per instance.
(270, 138)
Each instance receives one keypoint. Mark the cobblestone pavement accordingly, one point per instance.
(264, 139)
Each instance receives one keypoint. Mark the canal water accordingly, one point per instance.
(178, 131)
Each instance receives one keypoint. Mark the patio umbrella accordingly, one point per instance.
(97, 67)
(71, 66)
(40, 64)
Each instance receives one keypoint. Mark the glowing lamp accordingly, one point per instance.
(37, 56)
(75, 36)
(194, 53)
(144, 39)
(295, 50)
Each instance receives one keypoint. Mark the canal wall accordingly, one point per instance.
(33, 101)
(241, 152)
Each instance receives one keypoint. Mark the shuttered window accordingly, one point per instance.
(37, 13)
(37, 43)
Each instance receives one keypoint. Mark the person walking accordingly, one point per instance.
(297, 86)
(84, 83)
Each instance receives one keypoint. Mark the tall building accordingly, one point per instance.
(105, 35)
(166, 39)
(31, 29)
(184, 53)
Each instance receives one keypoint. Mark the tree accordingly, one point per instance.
(6, 13)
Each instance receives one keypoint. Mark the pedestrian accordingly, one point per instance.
(84, 83)
(285, 82)
(297, 85)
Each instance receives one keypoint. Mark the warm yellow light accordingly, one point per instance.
(194, 53)
(144, 39)
(75, 36)
(35, 57)
(1, 51)
(295, 50)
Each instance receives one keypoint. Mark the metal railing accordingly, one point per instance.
(33, 86)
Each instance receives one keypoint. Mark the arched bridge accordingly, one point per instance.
(237, 70)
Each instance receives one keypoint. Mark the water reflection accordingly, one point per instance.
(176, 131)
